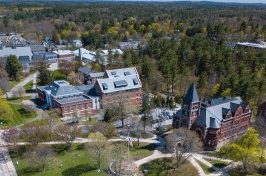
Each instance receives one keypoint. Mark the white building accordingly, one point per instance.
(77, 43)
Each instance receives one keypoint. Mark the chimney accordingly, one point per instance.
(80, 53)
(210, 102)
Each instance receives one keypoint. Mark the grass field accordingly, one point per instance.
(28, 87)
(168, 167)
(88, 122)
(218, 164)
(205, 168)
(14, 82)
(18, 100)
(20, 116)
(74, 166)
(141, 151)
(71, 166)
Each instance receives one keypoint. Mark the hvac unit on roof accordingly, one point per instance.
(113, 72)
(126, 73)
(135, 81)
(122, 83)
(105, 86)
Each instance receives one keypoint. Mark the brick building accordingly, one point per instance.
(262, 110)
(114, 86)
(213, 119)
(121, 84)
(66, 97)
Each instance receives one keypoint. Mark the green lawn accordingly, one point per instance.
(20, 116)
(14, 82)
(205, 168)
(28, 87)
(168, 167)
(18, 99)
(141, 151)
(88, 122)
(71, 166)
(218, 164)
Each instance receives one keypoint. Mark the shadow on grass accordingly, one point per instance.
(25, 113)
(78, 170)
(29, 171)
(220, 165)
(149, 147)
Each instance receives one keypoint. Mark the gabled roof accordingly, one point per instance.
(18, 51)
(118, 83)
(96, 74)
(37, 48)
(122, 72)
(233, 107)
(85, 70)
(192, 95)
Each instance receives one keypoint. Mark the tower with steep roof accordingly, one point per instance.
(190, 108)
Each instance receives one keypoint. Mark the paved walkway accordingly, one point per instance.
(21, 84)
(7, 167)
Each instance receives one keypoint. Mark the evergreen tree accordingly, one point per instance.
(45, 76)
(13, 66)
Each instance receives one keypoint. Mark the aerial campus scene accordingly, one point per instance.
(132, 88)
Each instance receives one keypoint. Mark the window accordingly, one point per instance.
(65, 109)
(66, 115)
(130, 94)
(185, 112)
(77, 106)
(89, 110)
(71, 108)
(191, 122)
(194, 113)
(114, 98)
(84, 112)
(107, 99)
(117, 97)
(137, 99)
(83, 106)
(137, 94)
(130, 101)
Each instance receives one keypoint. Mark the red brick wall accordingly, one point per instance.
(64, 55)
(41, 95)
(261, 110)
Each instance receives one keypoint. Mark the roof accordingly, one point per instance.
(254, 45)
(90, 89)
(70, 100)
(96, 74)
(46, 54)
(18, 51)
(60, 88)
(85, 70)
(63, 52)
(122, 72)
(192, 95)
(114, 51)
(212, 116)
(118, 83)
(37, 48)
(86, 54)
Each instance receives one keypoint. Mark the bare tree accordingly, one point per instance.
(146, 119)
(68, 132)
(33, 133)
(118, 155)
(28, 107)
(77, 116)
(136, 128)
(97, 148)
(50, 116)
(184, 143)
(42, 156)
(260, 123)
(15, 93)
(21, 91)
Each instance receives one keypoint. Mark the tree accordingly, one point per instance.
(5, 110)
(135, 128)
(21, 91)
(146, 109)
(13, 66)
(68, 132)
(77, 116)
(247, 150)
(45, 75)
(65, 66)
(97, 148)
(42, 156)
(184, 143)
(107, 129)
(78, 64)
(51, 117)
(55, 37)
(6, 22)
(34, 133)
(4, 81)
(118, 155)
(110, 131)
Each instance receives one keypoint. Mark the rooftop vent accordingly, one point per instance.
(126, 73)
(113, 72)
(13, 47)
(135, 81)
(122, 83)
(105, 86)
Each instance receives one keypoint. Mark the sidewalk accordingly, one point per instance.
(7, 166)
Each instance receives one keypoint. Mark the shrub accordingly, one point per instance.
(81, 146)
(60, 148)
